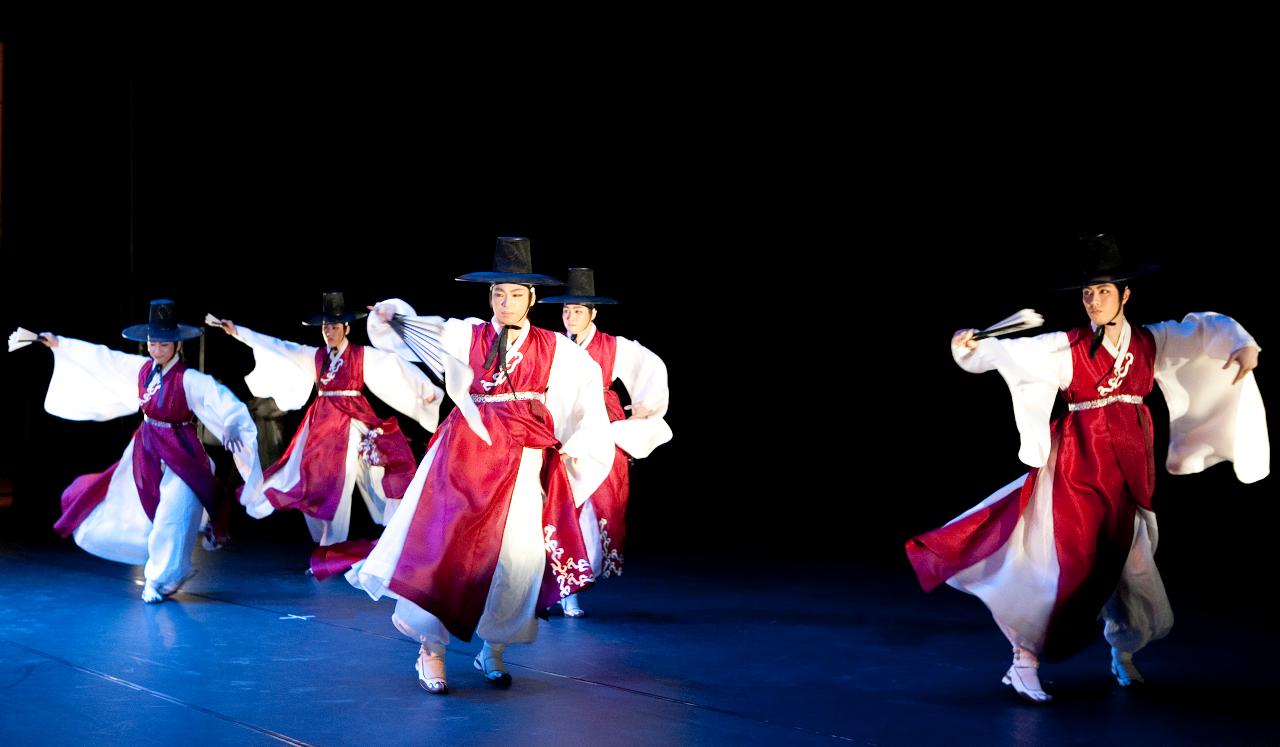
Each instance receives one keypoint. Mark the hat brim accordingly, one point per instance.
(522, 278)
(343, 318)
(147, 333)
(584, 300)
(1118, 275)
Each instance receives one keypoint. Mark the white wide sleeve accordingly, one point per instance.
(1035, 369)
(220, 411)
(1210, 419)
(284, 371)
(403, 386)
(645, 377)
(576, 402)
(92, 382)
(446, 349)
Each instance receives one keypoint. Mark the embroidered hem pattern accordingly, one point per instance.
(612, 565)
(369, 453)
(571, 574)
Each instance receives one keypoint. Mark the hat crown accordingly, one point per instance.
(333, 304)
(1102, 254)
(582, 282)
(162, 315)
(512, 255)
(1098, 260)
(333, 310)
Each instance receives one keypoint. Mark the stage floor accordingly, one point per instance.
(252, 651)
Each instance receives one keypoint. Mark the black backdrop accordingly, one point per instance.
(796, 254)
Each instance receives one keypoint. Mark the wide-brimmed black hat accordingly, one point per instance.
(333, 310)
(162, 325)
(511, 264)
(581, 290)
(1099, 261)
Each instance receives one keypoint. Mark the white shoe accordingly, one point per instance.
(489, 661)
(207, 539)
(1024, 677)
(151, 594)
(570, 606)
(1123, 669)
(430, 668)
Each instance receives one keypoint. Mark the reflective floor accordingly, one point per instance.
(252, 651)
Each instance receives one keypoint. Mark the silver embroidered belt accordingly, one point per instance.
(340, 393)
(1093, 404)
(166, 423)
(508, 397)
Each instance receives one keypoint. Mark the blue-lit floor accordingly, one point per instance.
(254, 652)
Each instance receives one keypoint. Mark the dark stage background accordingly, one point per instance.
(799, 269)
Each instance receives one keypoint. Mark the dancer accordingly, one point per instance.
(146, 508)
(341, 442)
(602, 517)
(1076, 535)
(487, 534)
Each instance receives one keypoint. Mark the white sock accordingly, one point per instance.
(491, 657)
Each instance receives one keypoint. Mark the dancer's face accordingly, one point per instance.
(162, 352)
(334, 333)
(577, 318)
(510, 302)
(1102, 301)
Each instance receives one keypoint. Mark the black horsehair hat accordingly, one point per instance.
(162, 325)
(582, 289)
(1100, 261)
(333, 310)
(511, 264)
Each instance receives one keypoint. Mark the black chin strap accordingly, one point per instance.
(1101, 332)
(498, 351)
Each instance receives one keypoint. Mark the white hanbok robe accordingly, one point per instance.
(576, 406)
(94, 382)
(1211, 421)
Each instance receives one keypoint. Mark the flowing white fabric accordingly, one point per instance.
(1210, 419)
(283, 370)
(645, 376)
(1019, 582)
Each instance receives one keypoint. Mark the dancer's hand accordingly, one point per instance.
(49, 339)
(384, 311)
(639, 412)
(229, 327)
(231, 440)
(1246, 358)
(964, 338)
